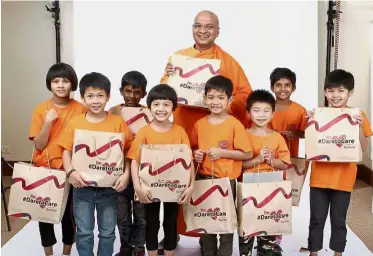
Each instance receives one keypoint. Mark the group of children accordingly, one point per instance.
(222, 147)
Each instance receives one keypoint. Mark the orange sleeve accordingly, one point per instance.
(282, 150)
(66, 137)
(135, 150)
(128, 138)
(367, 129)
(194, 137)
(303, 120)
(241, 139)
(37, 122)
(184, 137)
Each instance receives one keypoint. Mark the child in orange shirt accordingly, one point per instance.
(289, 118)
(95, 93)
(270, 153)
(162, 101)
(132, 234)
(331, 183)
(220, 144)
(48, 120)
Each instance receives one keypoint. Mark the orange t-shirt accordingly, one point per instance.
(74, 108)
(291, 119)
(230, 135)
(338, 176)
(275, 142)
(112, 123)
(147, 135)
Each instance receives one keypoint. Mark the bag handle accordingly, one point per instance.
(95, 147)
(32, 156)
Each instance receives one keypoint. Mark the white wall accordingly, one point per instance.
(354, 51)
(116, 37)
(27, 52)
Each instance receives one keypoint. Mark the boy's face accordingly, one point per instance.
(283, 88)
(261, 114)
(338, 97)
(61, 87)
(95, 99)
(217, 101)
(132, 95)
(161, 109)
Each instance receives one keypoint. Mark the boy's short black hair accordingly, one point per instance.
(262, 96)
(162, 92)
(220, 83)
(134, 78)
(94, 80)
(62, 70)
(279, 73)
(339, 77)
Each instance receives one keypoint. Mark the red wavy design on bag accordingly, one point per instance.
(319, 157)
(299, 173)
(91, 183)
(197, 230)
(267, 199)
(331, 123)
(100, 150)
(38, 182)
(166, 166)
(196, 70)
(137, 117)
(21, 215)
(205, 195)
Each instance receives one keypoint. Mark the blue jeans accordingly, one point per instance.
(105, 200)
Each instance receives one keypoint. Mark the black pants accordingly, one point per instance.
(170, 214)
(320, 200)
(131, 231)
(47, 235)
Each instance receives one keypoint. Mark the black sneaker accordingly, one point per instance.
(277, 251)
(124, 252)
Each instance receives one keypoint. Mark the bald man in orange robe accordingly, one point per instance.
(205, 31)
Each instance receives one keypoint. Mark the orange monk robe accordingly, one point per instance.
(188, 116)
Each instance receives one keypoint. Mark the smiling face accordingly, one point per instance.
(61, 87)
(217, 101)
(161, 109)
(95, 100)
(283, 88)
(261, 114)
(338, 96)
(205, 30)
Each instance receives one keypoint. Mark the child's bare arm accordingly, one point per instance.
(251, 163)
(216, 153)
(41, 140)
(277, 164)
(135, 174)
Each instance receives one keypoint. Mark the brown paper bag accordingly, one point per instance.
(136, 118)
(190, 77)
(296, 173)
(264, 209)
(98, 156)
(38, 193)
(212, 209)
(165, 170)
(333, 135)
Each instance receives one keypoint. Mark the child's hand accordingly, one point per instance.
(198, 155)
(121, 183)
(170, 68)
(186, 195)
(76, 180)
(359, 118)
(215, 153)
(310, 114)
(51, 115)
(263, 154)
(144, 196)
(268, 158)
